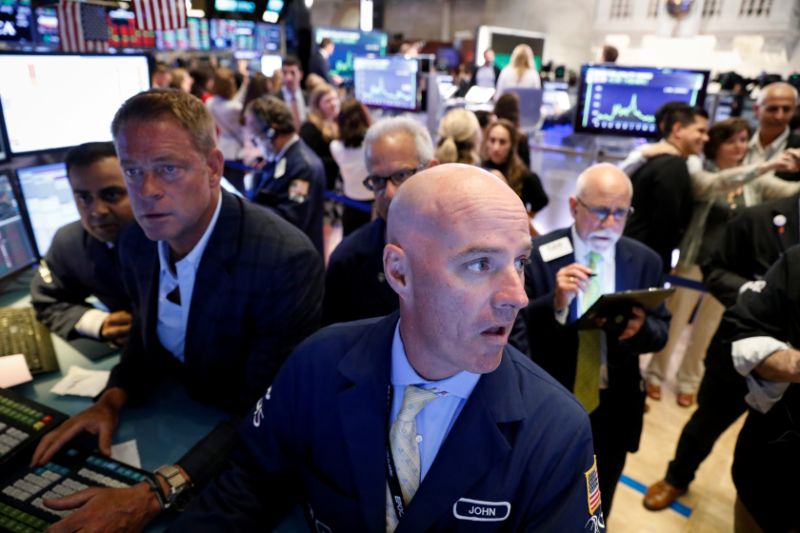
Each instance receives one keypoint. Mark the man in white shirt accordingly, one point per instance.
(774, 108)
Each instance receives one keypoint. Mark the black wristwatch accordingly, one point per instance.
(179, 487)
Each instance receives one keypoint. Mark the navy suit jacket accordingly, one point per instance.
(306, 213)
(319, 437)
(257, 294)
(79, 266)
(555, 346)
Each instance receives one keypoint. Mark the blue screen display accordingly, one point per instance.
(618, 100)
(349, 44)
(389, 82)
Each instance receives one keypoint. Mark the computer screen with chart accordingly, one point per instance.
(615, 100)
(349, 44)
(48, 199)
(387, 82)
(16, 251)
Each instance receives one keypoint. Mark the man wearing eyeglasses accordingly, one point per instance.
(570, 269)
(355, 286)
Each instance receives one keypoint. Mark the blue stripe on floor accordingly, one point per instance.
(676, 506)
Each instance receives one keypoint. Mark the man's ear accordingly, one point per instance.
(396, 269)
(216, 164)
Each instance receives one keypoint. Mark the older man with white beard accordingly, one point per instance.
(570, 269)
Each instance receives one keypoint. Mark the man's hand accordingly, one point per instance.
(106, 510)
(569, 280)
(786, 161)
(781, 366)
(635, 323)
(100, 419)
(116, 327)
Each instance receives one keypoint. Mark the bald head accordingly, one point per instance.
(438, 196)
(775, 107)
(602, 198)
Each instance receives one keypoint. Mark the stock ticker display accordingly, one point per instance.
(387, 82)
(624, 100)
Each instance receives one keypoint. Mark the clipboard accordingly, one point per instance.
(616, 306)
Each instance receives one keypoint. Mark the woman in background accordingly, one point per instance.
(507, 107)
(500, 153)
(226, 107)
(459, 138)
(348, 152)
(321, 128)
(519, 73)
(720, 189)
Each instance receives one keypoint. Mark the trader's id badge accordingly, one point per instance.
(298, 191)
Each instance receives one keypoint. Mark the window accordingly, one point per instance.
(620, 9)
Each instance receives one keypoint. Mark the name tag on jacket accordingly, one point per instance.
(481, 511)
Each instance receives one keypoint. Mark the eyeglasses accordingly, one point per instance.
(602, 213)
(378, 183)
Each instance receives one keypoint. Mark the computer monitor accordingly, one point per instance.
(57, 100)
(349, 44)
(387, 82)
(503, 41)
(447, 58)
(235, 6)
(616, 100)
(48, 201)
(16, 21)
(47, 27)
(16, 250)
(198, 34)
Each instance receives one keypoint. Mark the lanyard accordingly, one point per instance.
(398, 503)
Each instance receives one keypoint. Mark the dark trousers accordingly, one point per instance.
(610, 448)
(720, 401)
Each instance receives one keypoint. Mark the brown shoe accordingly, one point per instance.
(660, 495)
(685, 399)
(654, 391)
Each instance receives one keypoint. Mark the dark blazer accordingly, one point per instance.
(318, 64)
(750, 245)
(662, 203)
(473, 79)
(312, 136)
(766, 463)
(79, 266)
(555, 346)
(355, 286)
(318, 437)
(304, 212)
(257, 294)
(792, 142)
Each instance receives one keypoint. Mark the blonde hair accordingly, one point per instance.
(459, 138)
(521, 60)
(329, 128)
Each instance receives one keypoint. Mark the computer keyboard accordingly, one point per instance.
(22, 422)
(20, 332)
(22, 508)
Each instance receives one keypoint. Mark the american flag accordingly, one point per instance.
(592, 488)
(160, 14)
(82, 27)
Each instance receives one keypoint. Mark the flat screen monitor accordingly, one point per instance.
(235, 6)
(447, 58)
(57, 100)
(615, 100)
(47, 27)
(349, 44)
(172, 39)
(123, 32)
(48, 200)
(388, 82)
(199, 38)
(16, 21)
(503, 41)
(16, 250)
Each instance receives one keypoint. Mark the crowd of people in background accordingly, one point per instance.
(288, 141)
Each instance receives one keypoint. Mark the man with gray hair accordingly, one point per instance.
(774, 108)
(355, 286)
(570, 269)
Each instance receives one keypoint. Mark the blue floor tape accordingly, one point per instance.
(676, 506)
